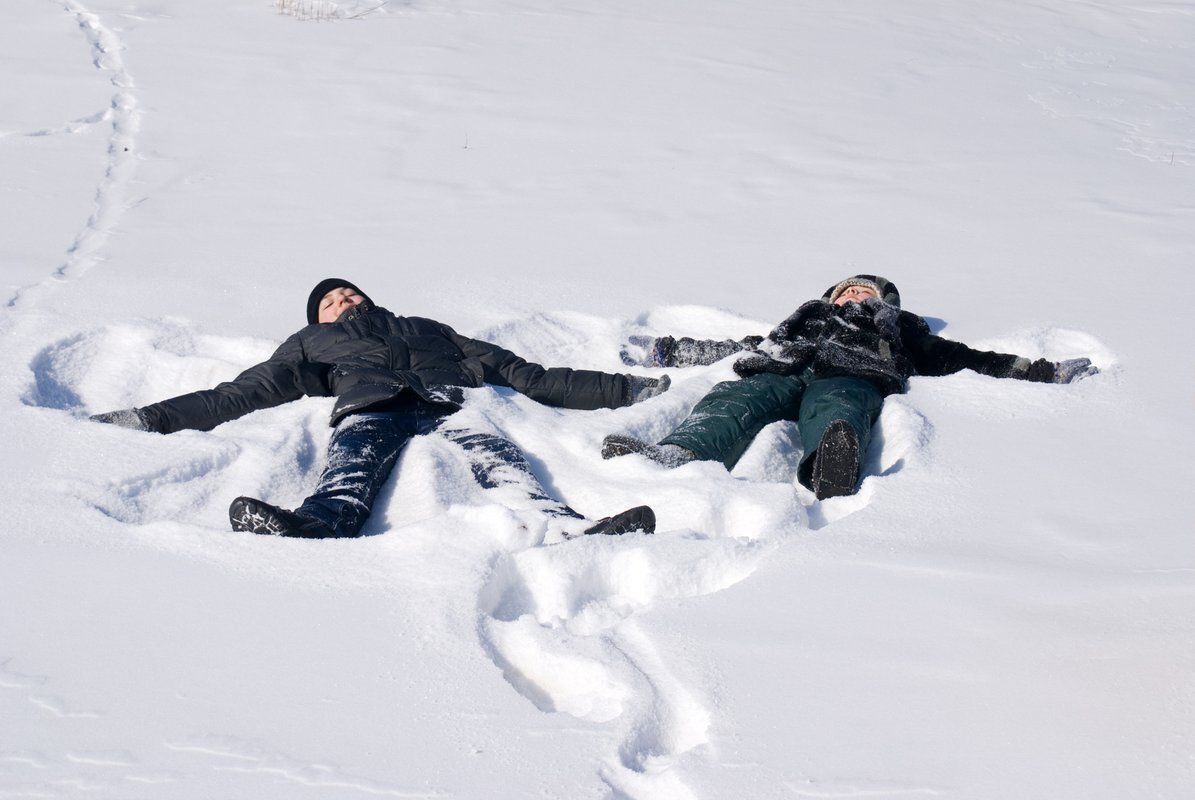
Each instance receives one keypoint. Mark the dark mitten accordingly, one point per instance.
(131, 418)
(755, 364)
(1045, 371)
(663, 352)
(639, 388)
(648, 351)
(1040, 371)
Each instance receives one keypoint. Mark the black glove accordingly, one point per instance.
(131, 418)
(640, 388)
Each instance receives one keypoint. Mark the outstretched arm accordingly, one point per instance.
(668, 351)
(933, 355)
(557, 386)
(286, 376)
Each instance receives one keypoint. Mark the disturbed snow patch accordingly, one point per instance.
(559, 620)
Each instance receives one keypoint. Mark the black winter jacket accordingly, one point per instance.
(370, 358)
(873, 340)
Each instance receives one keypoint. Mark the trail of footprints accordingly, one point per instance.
(111, 193)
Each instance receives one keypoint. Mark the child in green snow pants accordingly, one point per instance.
(724, 422)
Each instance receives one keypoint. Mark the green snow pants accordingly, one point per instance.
(724, 422)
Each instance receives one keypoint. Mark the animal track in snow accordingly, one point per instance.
(106, 50)
(122, 112)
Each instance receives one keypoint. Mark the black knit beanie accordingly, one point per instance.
(321, 289)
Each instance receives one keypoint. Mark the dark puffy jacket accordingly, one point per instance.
(874, 340)
(370, 358)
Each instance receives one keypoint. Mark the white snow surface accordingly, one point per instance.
(1005, 611)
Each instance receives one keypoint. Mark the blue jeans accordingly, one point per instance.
(365, 447)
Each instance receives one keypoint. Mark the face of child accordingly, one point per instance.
(855, 294)
(336, 302)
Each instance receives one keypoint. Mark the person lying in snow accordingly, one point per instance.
(827, 367)
(394, 378)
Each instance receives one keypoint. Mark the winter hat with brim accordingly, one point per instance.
(321, 289)
(884, 288)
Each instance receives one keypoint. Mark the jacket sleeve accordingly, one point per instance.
(286, 376)
(932, 355)
(556, 386)
(687, 352)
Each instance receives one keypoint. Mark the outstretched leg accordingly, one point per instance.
(361, 455)
(498, 463)
(836, 417)
(724, 423)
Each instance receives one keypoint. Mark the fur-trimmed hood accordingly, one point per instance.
(888, 291)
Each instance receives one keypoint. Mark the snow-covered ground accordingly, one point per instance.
(1005, 611)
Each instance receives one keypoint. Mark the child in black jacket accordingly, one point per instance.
(393, 378)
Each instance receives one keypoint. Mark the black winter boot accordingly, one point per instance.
(639, 518)
(836, 465)
(248, 514)
(669, 455)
